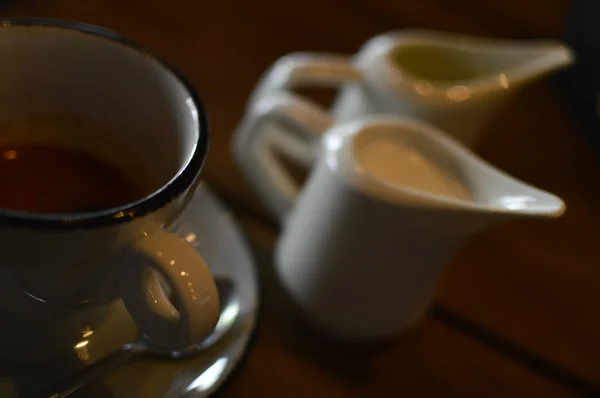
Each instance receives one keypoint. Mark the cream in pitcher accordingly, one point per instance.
(386, 205)
(393, 162)
(452, 81)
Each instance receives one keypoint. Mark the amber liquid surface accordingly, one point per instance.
(41, 178)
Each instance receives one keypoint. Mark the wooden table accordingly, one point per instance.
(517, 312)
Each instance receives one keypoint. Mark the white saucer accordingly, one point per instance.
(209, 226)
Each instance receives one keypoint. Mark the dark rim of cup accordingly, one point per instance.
(156, 200)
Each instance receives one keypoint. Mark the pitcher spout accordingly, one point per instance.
(459, 67)
(521, 200)
(533, 61)
(415, 165)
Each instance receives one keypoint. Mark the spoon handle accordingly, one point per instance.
(84, 376)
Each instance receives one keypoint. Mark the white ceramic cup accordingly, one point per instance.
(54, 265)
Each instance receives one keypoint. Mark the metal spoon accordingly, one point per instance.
(230, 308)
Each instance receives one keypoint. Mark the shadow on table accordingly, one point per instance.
(351, 362)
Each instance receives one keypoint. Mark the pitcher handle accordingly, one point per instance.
(301, 69)
(278, 124)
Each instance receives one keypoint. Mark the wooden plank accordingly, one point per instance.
(537, 282)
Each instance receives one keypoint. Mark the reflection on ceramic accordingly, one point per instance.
(146, 348)
(208, 226)
(59, 272)
(386, 205)
(452, 81)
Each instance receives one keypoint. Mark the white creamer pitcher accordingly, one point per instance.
(452, 81)
(387, 204)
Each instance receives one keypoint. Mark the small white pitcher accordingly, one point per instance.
(452, 81)
(385, 207)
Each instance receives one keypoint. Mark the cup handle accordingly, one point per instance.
(300, 69)
(278, 124)
(184, 314)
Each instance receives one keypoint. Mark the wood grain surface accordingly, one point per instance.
(517, 311)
